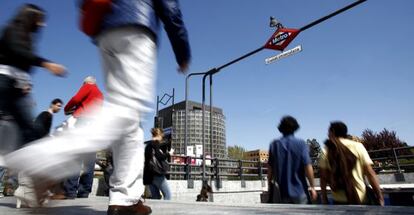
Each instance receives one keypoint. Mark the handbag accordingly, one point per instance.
(274, 192)
(274, 189)
(157, 166)
(92, 14)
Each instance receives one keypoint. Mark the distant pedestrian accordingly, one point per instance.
(155, 175)
(290, 164)
(43, 121)
(127, 43)
(82, 106)
(343, 167)
(42, 125)
(87, 100)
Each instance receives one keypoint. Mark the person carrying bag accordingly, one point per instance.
(273, 185)
(156, 166)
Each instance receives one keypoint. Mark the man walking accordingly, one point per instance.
(43, 121)
(87, 100)
(127, 42)
(289, 163)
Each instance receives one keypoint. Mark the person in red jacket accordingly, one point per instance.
(86, 101)
(88, 98)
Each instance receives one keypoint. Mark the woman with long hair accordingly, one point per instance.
(17, 57)
(155, 176)
(343, 166)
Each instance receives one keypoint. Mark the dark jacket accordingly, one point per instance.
(152, 148)
(147, 14)
(43, 123)
(16, 49)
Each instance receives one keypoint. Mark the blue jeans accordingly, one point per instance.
(155, 192)
(80, 186)
(161, 183)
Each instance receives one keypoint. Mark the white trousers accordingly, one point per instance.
(128, 56)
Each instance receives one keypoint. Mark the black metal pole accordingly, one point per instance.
(158, 101)
(331, 15)
(203, 105)
(186, 109)
(211, 117)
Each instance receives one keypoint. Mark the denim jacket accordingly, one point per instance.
(148, 13)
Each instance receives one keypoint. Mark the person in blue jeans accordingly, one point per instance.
(81, 185)
(156, 179)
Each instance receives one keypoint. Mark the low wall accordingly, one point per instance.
(231, 191)
(248, 191)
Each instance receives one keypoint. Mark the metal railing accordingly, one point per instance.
(191, 168)
(399, 159)
(395, 160)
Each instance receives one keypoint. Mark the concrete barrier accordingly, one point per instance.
(249, 191)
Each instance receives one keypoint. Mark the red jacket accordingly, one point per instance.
(88, 97)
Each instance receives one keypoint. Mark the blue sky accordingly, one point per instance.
(356, 67)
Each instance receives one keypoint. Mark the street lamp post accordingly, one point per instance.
(186, 109)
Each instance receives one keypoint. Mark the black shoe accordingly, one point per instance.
(137, 209)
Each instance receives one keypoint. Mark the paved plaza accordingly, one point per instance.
(98, 206)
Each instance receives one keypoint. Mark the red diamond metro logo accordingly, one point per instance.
(281, 38)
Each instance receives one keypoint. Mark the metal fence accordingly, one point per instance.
(394, 160)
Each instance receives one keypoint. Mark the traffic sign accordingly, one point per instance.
(281, 38)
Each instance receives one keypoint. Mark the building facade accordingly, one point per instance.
(172, 119)
(257, 155)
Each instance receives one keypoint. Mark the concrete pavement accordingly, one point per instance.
(98, 206)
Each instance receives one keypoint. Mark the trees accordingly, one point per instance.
(314, 148)
(236, 152)
(385, 139)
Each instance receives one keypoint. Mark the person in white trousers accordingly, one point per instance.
(129, 60)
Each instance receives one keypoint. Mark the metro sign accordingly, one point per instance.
(281, 38)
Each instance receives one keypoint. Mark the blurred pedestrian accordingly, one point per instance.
(87, 100)
(17, 57)
(156, 166)
(290, 165)
(343, 167)
(127, 42)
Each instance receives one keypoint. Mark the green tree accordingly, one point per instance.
(236, 152)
